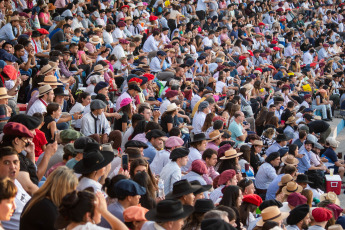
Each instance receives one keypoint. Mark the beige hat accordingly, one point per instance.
(335, 227)
(54, 65)
(271, 213)
(292, 187)
(332, 142)
(285, 179)
(290, 120)
(258, 143)
(231, 153)
(22, 18)
(215, 134)
(96, 40)
(331, 196)
(44, 89)
(172, 107)
(3, 93)
(128, 18)
(46, 69)
(140, 4)
(14, 18)
(290, 160)
(211, 80)
(50, 80)
(99, 67)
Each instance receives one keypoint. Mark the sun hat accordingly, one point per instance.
(331, 196)
(231, 153)
(99, 67)
(215, 134)
(134, 213)
(14, 18)
(285, 179)
(292, 187)
(290, 120)
(257, 143)
(3, 93)
(125, 101)
(95, 40)
(50, 80)
(181, 188)
(46, 69)
(44, 89)
(169, 210)
(17, 129)
(271, 213)
(173, 141)
(93, 159)
(171, 107)
(332, 142)
(290, 160)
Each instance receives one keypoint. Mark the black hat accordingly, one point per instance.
(169, 210)
(29, 121)
(308, 117)
(203, 205)
(81, 142)
(219, 224)
(198, 137)
(297, 214)
(93, 159)
(281, 137)
(203, 188)
(134, 87)
(59, 92)
(179, 153)
(181, 188)
(154, 134)
(302, 178)
(135, 143)
(268, 203)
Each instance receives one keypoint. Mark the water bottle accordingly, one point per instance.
(160, 188)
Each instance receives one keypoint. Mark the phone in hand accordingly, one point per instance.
(124, 162)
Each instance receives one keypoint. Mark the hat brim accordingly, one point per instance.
(41, 94)
(5, 97)
(323, 197)
(304, 181)
(81, 169)
(193, 189)
(203, 188)
(299, 189)
(170, 110)
(152, 215)
(230, 157)
(216, 137)
(61, 94)
(283, 215)
(50, 83)
(294, 163)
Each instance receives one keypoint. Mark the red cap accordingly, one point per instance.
(223, 149)
(226, 176)
(123, 41)
(199, 167)
(43, 31)
(271, 67)
(253, 199)
(251, 53)
(274, 42)
(276, 48)
(149, 76)
(259, 69)
(216, 118)
(17, 129)
(307, 96)
(124, 6)
(261, 24)
(242, 58)
(295, 199)
(321, 214)
(280, 10)
(135, 79)
(10, 71)
(312, 64)
(171, 93)
(325, 45)
(153, 18)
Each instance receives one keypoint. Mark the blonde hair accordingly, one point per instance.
(60, 182)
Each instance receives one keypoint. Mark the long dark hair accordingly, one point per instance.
(139, 128)
(227, 164)
(244, 211)
(127, 109)
(148, 199)
(230, 196)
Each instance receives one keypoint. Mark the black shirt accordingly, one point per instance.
(286, 114)
(118, 122)
(318, 126)
(47, 120)
(164, 122)
(28, 166)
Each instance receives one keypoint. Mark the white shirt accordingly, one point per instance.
(119, 52)
(193, 155)
(207, 42)
(164, 106)
(78, 107)
(76, 24)
(201, 5)
(118, 34)
(219, 86)
(88, 125)
(37, 107)
(307, 58)
(198, 122)
(150, 44)
(161, 159)
(87, 182)
(170, 174)
(126, 135)
(107, 37)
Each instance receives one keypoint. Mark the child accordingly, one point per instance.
(77, 35)
(39, 140)
(49, 127)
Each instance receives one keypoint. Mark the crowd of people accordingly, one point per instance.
(170, 114)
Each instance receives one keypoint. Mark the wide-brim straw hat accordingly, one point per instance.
(3, 93)
(99, 67)
(290, 120)
(44, 89)
(172, 107)
(50, 80)
(258, 143)
(231, 153)
(290, 160)
(292, 187)
(215, 135)
(271, 213)
(46, 69)
(331, 196)
(285, 179)
(96, 40)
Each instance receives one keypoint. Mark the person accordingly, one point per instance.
(198, 169)
(267, 173)
(45, 202)
(84, 210)
(8, 192)
(128, 194)
(272, 213)
(49, 127)
(209, 156)
(197, 146)
(232, 197)
(318, 126)
(134, 217)
(45, 96)
(298, 218)
(184, 192)
(200, 116)
(281, 180)
(248, 207)
(171, 173)
(332, 157)
(304, 162)
(281, 141)
(155, 139)
(321, 216)
(247, 186)
(238, 131)
(158, 217)
(226, 178)
(200, 208)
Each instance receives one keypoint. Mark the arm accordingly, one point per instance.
(25, 181)
(49, 152)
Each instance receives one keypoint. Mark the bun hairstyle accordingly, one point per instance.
(109, 185)
(75, 205)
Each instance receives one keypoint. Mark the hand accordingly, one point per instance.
(100, 203)
(77, 116)
(18, 82)
(156, 113)
(51, 149)
(31, 148)
(123, 172)
(117, 115)
(105, 138)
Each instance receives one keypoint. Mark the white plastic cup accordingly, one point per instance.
(331, 171)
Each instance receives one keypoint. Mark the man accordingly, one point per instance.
(209, 156)
(281, 141)
(145, 110)
(9, 167)
(302, 136)
(62, 36)
(238, 131)
(9, 32)
(201, 9)
(132, 92)
(170, 96)
(168, 215)
(183, 191)
(135, 120)
(318, 126)
(156, 66)
(128, 194)
(226, 178)
(304, 163)
(172, 171)
(289, 173)
(293, 200)
(153, 42)
(155, 139)
(119, 52)
(119, 33)
(162, 157)
(323, 52)
(200, 117)
(331, 156)
(298, 218)
(45, 96)
(321, 217)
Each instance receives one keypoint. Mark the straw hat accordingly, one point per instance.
(98, 67)
(211, 80)
(44, 89)
(46, 69)
(3, 93)
(271, 213)
(172, 107)
(331, 196)
(290, 160)
(54, 65)
(285, 179)
(258, 143)
(292, 187)
(231, 153)
(290, 120)
(96, 40)
(335, 227)
(215, 134)
(50, 80)
(14, 18)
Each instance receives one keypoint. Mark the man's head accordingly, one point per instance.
(146, 111)
(299, 216)
(133, 90)
(19, 50)
(156, 137)
(67, 28)
(273, 159)
(9, 163)
(228, 177)
(128, 191)
(239, 116)
(210, 157)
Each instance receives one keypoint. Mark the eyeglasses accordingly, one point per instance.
(26, 143)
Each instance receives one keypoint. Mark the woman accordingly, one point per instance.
(103, 55)
(126, 112)
(83, 210)
(82, 58)
(83, 100)
(167, 119)
(8, 192)
(260, 121)
(247, 186)
(267, 139)
(309, 195)
(322, 102)
(197, 146)
(229, 161)
(255, 158)
(232, 197)
(193, 222)
(44, 18)
(45, 202)
(248, 209)
(94, 167)
(49, 127)
(243, 70)
(147, 200)
(208, 124)
(244, 160)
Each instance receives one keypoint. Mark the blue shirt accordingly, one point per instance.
(304, 162)
(273, 148)
(278, 76)
(150, 152)
(236, 131)
(6, 32)
(155, 65)
(330, 155)
(117, 210)
(265, 176)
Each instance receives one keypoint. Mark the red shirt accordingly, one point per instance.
(39, 141)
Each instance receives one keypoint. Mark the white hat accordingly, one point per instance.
(332, 142)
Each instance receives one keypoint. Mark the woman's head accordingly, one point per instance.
(232, 196)
(293, 149)
(8, 192)
(138, 165)
(54, 110)
(109, 184)
(84, 98)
